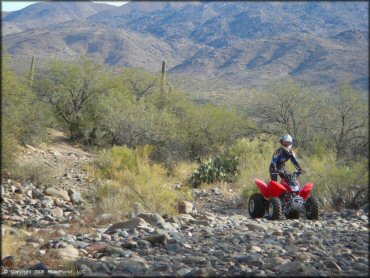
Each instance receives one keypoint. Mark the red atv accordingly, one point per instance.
(286, 198)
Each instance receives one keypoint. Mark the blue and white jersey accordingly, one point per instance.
(281, 156)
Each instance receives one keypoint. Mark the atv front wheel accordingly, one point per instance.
(275, 210)
(312, 208)
(293, 214)
(257, 205)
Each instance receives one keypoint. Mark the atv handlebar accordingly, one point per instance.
(285, 172)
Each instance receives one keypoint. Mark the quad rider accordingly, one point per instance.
(281, 156)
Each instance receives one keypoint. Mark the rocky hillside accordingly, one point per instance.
(212, 236)
(241, 43)
(44, 14)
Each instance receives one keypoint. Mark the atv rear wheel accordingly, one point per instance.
(312, 208)
(257, 205)
(275, 210)
(293, 214)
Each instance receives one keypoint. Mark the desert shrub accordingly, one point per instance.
(127, 176)
(11, 241)
(23, 117)
(36, 172)
(255, 158)
(338, 185)
(222, 168)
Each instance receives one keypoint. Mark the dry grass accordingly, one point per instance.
(35, 172)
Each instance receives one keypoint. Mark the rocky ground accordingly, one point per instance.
(210, 237)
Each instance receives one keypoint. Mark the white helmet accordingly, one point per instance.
(286, 138)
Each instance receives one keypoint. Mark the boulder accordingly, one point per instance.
(153, 219)
(69, 253)
(57, 192)
(159, 239)
(129, 224)
(134, 265)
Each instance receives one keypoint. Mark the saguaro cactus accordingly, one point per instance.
(163, 77)
(32, 70)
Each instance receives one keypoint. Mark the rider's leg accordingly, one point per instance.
(273, 175)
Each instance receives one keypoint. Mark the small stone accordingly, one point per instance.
(289, 267)
(97, 247)
(39, 266)
(94, 236)
(130, 245)
(106, 237)
(59, 202)
(254, 248)
(203, 272)
(194, 260)
(256, 227)
(57, 212)
(332, 265)
(185, 207)
(8, 261)
(37, 194)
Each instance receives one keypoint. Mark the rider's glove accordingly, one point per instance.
(301, 171)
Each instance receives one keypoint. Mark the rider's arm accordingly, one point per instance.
(295, 160)
(276, 158)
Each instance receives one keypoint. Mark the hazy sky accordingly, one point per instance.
(14, 6)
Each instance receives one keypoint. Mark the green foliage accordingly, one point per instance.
(222, 168)
(70, 88)
(343, 119)
(255, 158)
(127, 176)
(338, 185)
(24, 118)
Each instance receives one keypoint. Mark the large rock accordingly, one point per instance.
(256, 227)
(185, 207)
(91, 264)
(159, 239)
(133, 223)
(153, 219)
(57, 192)
(75, 196)
(69, 253)
(134, 265)
(289, 267)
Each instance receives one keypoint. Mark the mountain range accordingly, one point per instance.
(245, 44)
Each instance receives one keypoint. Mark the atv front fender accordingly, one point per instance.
(305, 191)
(263, 187)
(276, 189)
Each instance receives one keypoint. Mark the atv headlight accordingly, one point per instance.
(297, 202)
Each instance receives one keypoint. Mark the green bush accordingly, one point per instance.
(338, 185)
(255, 158)
(222, 168)
(23, 117)
(125, 177)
